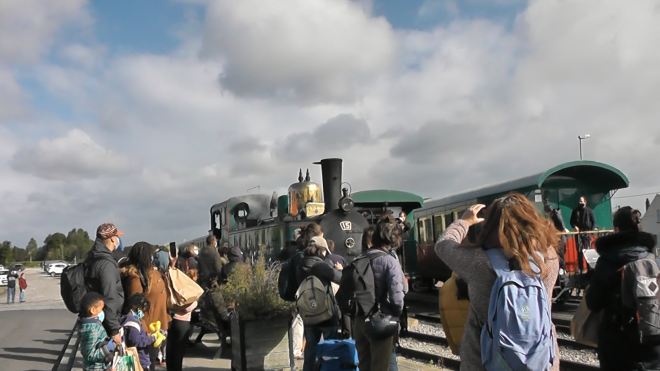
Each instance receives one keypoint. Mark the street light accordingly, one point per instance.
(580, 138)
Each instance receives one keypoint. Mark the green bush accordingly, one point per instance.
(252, 291)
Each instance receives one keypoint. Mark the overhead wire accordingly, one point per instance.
(642, 194)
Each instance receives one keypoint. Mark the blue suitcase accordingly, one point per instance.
(336, 355)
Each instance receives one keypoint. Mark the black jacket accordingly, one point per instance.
(235, 257)
(615, 351)
(312, 265)
(209, 265)
(558, 220)
(102, 276)
(583, 219)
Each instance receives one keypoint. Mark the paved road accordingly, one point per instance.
(32, 334)
(32, 340)
(43, 292)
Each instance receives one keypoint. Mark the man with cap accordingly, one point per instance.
(102, 276)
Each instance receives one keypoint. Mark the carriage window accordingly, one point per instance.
(223, 216)
(449, 218)
(438, 226)
(425, 230)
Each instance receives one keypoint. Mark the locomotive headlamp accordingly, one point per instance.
(346, 204)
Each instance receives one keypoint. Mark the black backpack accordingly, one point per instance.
(72, 286)
(357, 289)
(286, 281)
(640, 295)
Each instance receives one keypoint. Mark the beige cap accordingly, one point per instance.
(320, 241)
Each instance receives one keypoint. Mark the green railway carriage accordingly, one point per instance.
(560, 186)
(373, 202)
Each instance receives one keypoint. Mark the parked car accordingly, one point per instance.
(3, 277)
(56, 269)
(47, 263)
(17, 268)
(2, 267)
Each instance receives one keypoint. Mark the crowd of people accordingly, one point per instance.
(127, 294)
(516, 244)
(515, 239)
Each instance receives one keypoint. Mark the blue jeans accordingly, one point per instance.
(11, 292)
(21, 296)
(394, 366)
(312, 338)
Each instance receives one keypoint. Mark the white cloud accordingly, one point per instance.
(29, 27)
(12, 104)
(432, 112)
(83, 55)
(73, 157)
(310, 51)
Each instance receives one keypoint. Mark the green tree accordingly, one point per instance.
(19, 254)
(32, 248)
(78, 242)
(54, 245)
(6, 253)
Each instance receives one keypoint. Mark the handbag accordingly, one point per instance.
(123, 360)
(585, 324)
(181, 289)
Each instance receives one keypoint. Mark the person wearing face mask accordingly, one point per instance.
(119, 254)
(102, 276)
(582, 220)
(209, 263)
(139, 276)
(134, 333)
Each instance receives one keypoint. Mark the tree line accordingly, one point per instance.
(56, 246)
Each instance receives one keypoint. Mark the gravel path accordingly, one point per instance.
(567, 353)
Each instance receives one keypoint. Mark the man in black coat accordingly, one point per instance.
(102, 276)
(582, 220)
(209, 263)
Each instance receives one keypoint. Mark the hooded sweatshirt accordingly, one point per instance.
(615, 350)
(235, 257)
(103, 277)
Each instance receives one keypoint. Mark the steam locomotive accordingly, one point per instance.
(258, 221)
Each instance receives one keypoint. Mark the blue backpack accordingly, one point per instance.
(518, 334)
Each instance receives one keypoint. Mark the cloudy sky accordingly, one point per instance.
(146, 113)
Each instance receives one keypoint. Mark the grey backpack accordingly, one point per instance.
(640, 295)
(314, 301)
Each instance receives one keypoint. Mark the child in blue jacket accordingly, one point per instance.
(134, 333)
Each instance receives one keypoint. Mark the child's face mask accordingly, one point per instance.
(139, 314)
(101, 316)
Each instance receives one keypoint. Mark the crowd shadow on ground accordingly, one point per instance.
(47, 356)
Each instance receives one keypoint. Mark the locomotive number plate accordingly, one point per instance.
(346, 226)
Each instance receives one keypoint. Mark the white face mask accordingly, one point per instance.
(196, 251)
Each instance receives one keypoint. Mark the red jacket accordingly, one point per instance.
(22, 283)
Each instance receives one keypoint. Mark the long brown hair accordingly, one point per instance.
(513, 223)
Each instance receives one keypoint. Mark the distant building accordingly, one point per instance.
(651, 219)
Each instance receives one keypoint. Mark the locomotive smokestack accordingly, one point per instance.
(331, 171)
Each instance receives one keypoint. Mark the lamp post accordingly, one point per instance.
(580, 138)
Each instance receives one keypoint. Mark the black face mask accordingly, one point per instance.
(581, 205)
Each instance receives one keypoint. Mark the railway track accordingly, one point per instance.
(456, 364)
(449, 362)
(561, 326)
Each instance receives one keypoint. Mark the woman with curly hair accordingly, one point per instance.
(514, 226)
(139, 276)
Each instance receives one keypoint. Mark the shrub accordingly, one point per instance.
(252, 291)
